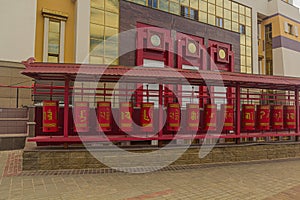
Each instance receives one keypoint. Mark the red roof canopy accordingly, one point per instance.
(87, 72)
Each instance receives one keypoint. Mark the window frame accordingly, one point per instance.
(61, 18)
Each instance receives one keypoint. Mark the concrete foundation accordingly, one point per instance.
(38, 158)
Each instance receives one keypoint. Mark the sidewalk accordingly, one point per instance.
(267, 180)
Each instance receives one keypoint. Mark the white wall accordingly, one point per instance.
(291, 61)
(82, 35)
(18, 24)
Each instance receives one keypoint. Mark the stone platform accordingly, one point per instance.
(46, 158)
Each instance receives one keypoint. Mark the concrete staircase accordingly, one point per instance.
(13, 128)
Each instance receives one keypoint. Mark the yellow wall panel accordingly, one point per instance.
(65, 6)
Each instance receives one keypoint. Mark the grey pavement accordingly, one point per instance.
(265, 180)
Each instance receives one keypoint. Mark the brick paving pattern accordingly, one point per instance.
(263, 180)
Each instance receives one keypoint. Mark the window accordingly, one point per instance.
(242, 29)
(53, 41)
(290, 29)
(189, 13)
(153, 3)
(219, 22)
(54, 34)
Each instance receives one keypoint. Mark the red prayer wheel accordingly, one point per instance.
(50, 116)
(81, 116)
(248, 111)
(263, 117)
(228, 113)
(277, 117)
(173, 117)
(146, 116)
(126, 116)
(104, 116)
(193, 116)
(210, 117)
(290, 117)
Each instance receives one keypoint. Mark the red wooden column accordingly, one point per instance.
(297, 111)
(238, 111)
(160, 113)
(66, 107)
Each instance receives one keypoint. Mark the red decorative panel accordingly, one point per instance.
(104, 115)
(210, 117)
(190, 51)
(50, 113)
(263, 117)
(153, 43)
(126, 116)
(146, 116)
(193, 117)
(277, 117)
(173, 117)
(222, 57)
(290, 117)
(81, 116)
(248, 121)
(228, 112)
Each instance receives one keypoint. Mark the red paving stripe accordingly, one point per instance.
(152, 195)
(13, 165)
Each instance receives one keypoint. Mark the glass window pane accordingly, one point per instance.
(243, 50)
(203, 17)
(185, 3)
(235, 17)
(248, 41)
(96, 60)
(212, 1)
(243, 39)
(53, 43)
(112, 19)
(242, 9)
(249, 61)
(248, 21)
(235, 26)
(111, 49)
(248, 12)
(97, 4)
(97, 31)
(97, 16)
(164, 5)
(243, 60)
(219, 3)
(96, 47)
(54, 27)
(112, 5)
(227, 24)
(211, 9)
(242, 19)
(227, 14)
(194, 4)
(248, 51)
(203, 6)
(248, 31)
(219, 11)
(227, 4)
(110, 61)
(211, 19)
(53, 59)
(174, 8)
(235, 7)
(110, 31)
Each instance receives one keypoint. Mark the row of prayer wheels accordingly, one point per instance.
(259, 117)
(275, 117)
